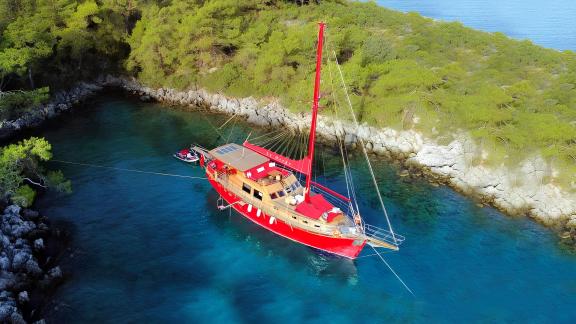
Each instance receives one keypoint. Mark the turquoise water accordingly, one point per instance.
(547, 23)
(149, 248)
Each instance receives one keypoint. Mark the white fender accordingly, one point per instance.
(249, 208)
(272, 220)
(258, 212)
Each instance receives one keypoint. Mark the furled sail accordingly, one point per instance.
(300, 166)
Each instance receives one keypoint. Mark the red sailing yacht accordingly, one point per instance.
(262, 185)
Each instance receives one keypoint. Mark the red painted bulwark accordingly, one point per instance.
(341, 246)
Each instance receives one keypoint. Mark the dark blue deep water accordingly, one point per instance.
(547, 23)
(150, 248)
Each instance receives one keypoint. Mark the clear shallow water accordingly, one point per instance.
(155, 249)
(547, 23)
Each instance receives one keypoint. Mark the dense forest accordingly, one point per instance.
(403, 71)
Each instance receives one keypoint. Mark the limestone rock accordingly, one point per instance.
(23, 297)
(39, 244)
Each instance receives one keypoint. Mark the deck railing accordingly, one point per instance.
(271, 210)
(383, 235)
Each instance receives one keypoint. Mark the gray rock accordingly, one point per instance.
(13, 209)
(39, 244)
(4, 263)
(350, 139)
(23, 297)
(19, 260)
(9, 312)
(54, 273)
(33, 268)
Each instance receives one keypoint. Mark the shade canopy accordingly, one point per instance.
(238, 157)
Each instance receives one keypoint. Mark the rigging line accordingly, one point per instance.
(300, 153)
(323, 163)
(296, 147)
(268, 134)
(209, 123)
(293, 147)
(342, 146)
(393, 272)
(275, 147)
(351, 177)
(305, 138)
(229, 119)
(297, 154)
(345, 171)
(272, 140)
(265, 142)
(128, 170)
(286, 144)
(273, 143)
(364, 151)
(231, 130)
(374, 254)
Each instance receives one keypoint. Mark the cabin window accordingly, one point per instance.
(273, 195)
(258, 194)
(316, 225)
(295, 186)
(305, 222)
(246, 188)
(292, 187)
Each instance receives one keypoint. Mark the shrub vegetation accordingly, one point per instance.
(403, 70)
(21, 171)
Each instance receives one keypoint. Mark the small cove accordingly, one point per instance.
(150, 248)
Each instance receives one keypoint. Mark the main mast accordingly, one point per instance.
(312, 137)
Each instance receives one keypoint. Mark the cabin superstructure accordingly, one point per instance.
(261, 181)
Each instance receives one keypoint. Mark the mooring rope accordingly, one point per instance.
(393, 272)
(127, 170)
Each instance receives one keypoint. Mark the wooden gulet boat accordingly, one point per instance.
(262, 185)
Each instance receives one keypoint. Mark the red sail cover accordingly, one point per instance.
(296, 165)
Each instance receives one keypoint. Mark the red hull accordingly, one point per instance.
(344, 247)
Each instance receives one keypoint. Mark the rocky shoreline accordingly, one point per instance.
(520, 191)
(59, 103)
(25, 268)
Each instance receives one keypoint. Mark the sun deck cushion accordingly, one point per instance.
(264, 170)
(318, 205)
(308, 210)
(321, 203)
